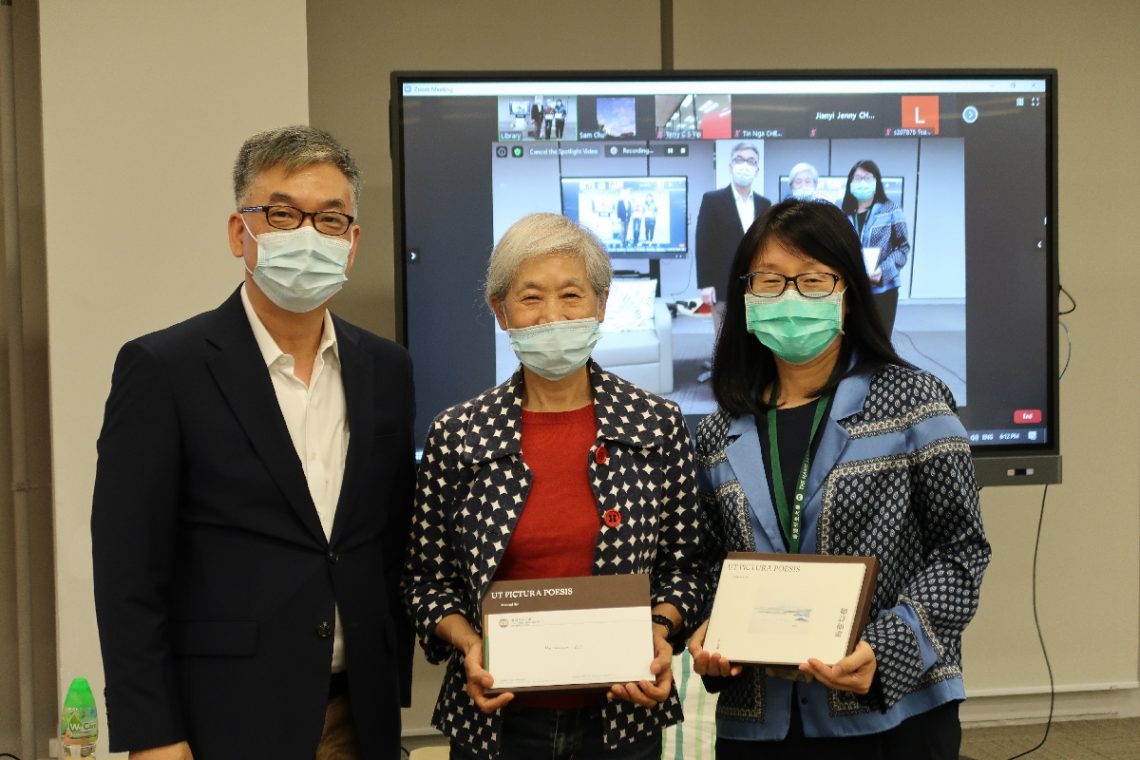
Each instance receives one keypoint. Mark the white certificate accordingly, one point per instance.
(783, 609)
(567, 633)
(871, 258)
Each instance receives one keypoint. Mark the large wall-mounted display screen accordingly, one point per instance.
(968, 157)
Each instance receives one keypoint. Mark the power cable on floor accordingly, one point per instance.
(1040, 637)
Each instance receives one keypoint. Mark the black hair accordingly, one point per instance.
(850, 204)
(816, 229)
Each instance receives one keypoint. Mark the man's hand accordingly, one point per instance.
(706, 663)
(854, 673)
(179, 751)
(645, 693)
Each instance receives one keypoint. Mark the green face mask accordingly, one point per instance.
(795, 328)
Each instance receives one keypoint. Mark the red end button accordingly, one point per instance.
(1026, 416)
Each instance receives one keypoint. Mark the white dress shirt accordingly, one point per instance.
(317, 423)
(745, 207)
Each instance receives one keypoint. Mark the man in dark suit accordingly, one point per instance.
(724, 216)
(253, 495)
(624, 212)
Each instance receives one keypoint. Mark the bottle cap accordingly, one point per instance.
(79, 694)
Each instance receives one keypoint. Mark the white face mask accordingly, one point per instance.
(743, 174)
(300, 269)
(555, 349)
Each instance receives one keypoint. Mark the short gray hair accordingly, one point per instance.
(744, 146)
(802, 167)
(292, 148)
(541, 235)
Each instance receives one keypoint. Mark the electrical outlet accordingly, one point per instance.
(55, 751)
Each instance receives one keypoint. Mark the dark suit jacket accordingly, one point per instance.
(214, 583)
(718, 235)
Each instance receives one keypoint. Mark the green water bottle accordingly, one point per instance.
(79, 723)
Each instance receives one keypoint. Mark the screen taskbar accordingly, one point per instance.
(1008, 436)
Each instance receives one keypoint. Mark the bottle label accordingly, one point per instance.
(79, 724)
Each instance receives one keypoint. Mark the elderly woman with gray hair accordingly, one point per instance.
(803, 180)
(563, 470)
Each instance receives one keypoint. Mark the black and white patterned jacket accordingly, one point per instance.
(472, 487)
(892, 477)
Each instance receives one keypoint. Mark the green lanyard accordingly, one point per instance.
(790, 520)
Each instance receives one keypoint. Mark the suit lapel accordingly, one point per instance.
(356, 374)
(243, 378)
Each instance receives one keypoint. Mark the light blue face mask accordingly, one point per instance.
(795, 328)
(300, 269)
(554, 350)
(863, 190)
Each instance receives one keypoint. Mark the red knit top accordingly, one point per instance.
(557, 531)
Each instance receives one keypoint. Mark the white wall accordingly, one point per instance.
(144, 108)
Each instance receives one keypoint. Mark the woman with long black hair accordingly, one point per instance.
(881, 227)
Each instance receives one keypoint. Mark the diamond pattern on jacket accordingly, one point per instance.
(916, 510)
(472, 488)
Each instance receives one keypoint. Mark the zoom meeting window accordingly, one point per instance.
(659, 170)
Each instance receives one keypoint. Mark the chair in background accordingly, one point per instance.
(637, 335)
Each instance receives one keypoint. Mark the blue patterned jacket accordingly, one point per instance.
(885, 229)
(472, 487)
(893, 478)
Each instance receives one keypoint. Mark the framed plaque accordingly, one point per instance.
(783, 609)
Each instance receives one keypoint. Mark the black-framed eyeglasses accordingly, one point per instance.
(743, 160)
(289, 218)
(807, 284)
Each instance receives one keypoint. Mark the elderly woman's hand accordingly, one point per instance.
(457, 631)
(853, 673)
(646, 693)
(479, 680)
(706, 663)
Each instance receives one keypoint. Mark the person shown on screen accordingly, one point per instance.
(649, 212)
(638, 219)
(826, 442)
(563, 470)
(536, 117)
(253, 495)
(803, 180)
(881, 227)
(724, 216)
(547, 119)
(625, 213)
(559, 118)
